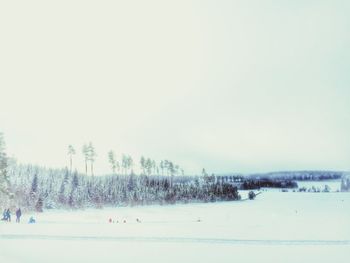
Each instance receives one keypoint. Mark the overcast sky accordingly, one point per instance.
(232, 86)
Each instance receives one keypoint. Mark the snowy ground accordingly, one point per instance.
(276, 227)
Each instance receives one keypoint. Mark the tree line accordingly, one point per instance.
(38, 188)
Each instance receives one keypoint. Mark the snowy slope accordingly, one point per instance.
(275, 225)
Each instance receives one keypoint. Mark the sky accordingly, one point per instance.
(230, 86)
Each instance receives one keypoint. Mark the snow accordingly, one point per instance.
(276, 227)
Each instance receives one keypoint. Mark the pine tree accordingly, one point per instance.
(148, 166)
(73, 196)
(125, 163)
(161, 165)
(71, 152)
(91, 157)
(62, 197)
(34, 188)
(143, 164)
(34, 191)
(112, 161)
(85, 151)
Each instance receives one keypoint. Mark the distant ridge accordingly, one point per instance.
(296, 175)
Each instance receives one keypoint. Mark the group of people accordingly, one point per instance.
(110, 220)
(6, 215)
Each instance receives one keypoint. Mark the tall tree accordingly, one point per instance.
(85, 151)
(62, 196)
(182, 171)
(34, 187)
(4, 180)
(154, 166)
(166, 166)
(143, 164)
(91, 156)
(149, 166)
(112, 161)
(130, 163)
(71, 152)
(161, 165)
(125, 163)
(172, 172)
(73, 196)
(34, 191)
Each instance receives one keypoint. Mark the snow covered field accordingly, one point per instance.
(276, 227)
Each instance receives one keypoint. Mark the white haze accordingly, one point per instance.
(243, 86)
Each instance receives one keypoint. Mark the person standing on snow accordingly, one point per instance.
(18, 215)
(4, 215)
(8, 215)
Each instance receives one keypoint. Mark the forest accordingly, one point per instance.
(37, 188)
(40, 188)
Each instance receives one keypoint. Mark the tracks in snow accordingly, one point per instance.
(229, 241)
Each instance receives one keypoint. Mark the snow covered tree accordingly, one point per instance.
(34, 193)
(34, 188)
(345, 183)
(63, 192)
(251, 195)
(73, 199)
(39, 205)
(37, 188)
(4, 179)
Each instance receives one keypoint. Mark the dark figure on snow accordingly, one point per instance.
(31, 220)
(18, 215)
(8, 215)
(4, 216)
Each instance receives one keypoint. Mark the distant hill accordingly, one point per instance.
(310, 175)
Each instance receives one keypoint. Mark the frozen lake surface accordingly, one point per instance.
(276, 227)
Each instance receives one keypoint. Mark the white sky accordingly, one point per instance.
(244, 86)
